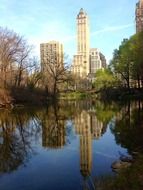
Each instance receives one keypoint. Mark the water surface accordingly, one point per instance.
(66, 146)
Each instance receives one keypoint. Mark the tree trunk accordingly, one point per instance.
(55, 89)
(128, 83)
(19, 78)
(138, 79)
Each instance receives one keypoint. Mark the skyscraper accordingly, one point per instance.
(139, 16)
(87, 61)
(81, 60)
(51, 53)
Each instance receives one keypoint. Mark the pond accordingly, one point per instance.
(66, 146)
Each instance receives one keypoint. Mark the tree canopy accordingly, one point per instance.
(104, 79)
(127, 62)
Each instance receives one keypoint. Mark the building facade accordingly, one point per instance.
(139, 16)
(51, 53)
(81, 60)
(97, 60)
(78, 69)
(87, 61)
(103, 60)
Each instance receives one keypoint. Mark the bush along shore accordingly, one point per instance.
(22, 96)
(120, 94)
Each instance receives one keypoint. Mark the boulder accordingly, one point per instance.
(126, 159)
(118, 165)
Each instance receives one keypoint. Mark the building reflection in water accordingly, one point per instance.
(89, 128)
(82, 127)
(53, 135)
(97, 127)
(53, 130)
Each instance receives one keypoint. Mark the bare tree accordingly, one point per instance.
(23, 63)
(35, 75)
(55, 73)
(14, 56)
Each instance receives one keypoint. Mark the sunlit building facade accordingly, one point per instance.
(87, 61)
(139, 16)
(51, 53)
(97, 60)
(81, 60)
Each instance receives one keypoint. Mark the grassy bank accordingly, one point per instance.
(116, 94)
(73, 95)
(108, 94)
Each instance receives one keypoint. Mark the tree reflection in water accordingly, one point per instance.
(53, 128)
(128, 127)
(15, 138)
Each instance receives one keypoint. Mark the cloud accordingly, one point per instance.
(112, 29)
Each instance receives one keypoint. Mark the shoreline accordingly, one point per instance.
(37, 99)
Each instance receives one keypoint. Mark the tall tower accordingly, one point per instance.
(83, 38)
(81, 60)
(139, 16)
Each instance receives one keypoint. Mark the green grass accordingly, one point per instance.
(73, 95)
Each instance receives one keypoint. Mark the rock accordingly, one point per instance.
(19, 105)
(126, 159)
(135, 153)
(118, 165)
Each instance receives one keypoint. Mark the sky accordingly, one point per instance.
(41, 21)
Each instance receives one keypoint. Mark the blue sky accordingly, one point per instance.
(43, 20)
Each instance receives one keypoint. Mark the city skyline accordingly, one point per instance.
(40, 22)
